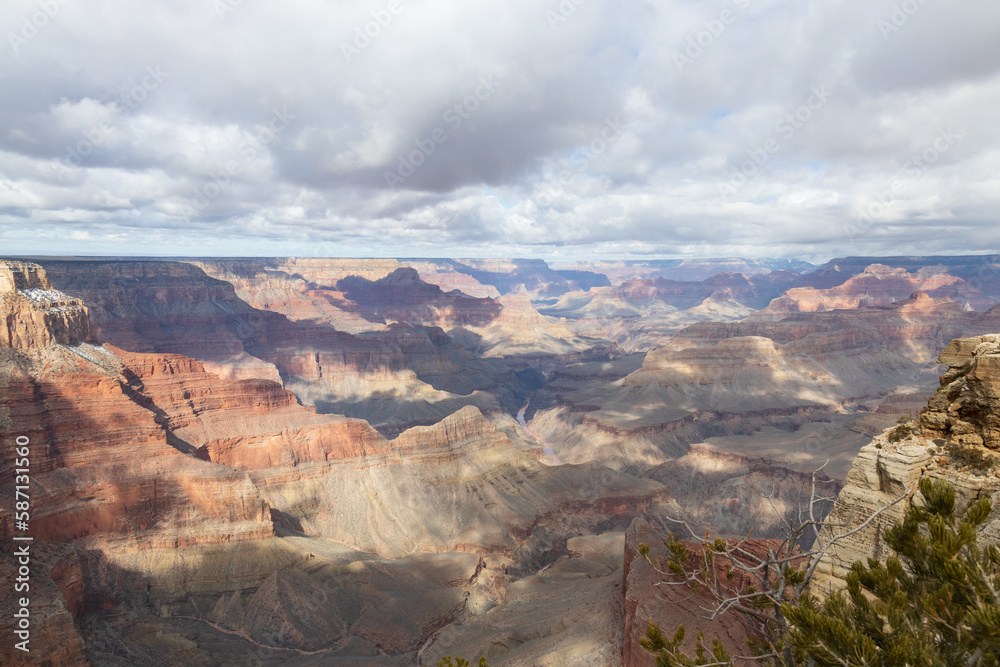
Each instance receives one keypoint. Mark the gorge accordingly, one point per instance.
(297, 461)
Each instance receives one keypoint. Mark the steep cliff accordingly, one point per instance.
(727, 379)
(952, 439)
(34, 314)
(458, 485)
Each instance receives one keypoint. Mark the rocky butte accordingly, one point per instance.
(181, 517)
(317, 461)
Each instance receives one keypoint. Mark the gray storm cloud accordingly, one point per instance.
(572, 128)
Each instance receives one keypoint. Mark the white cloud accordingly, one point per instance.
(524, 172)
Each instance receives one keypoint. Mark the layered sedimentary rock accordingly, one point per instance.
(723, 379)
(641, 314)
(520, 330)
(895, 407)
(959, 421)
(55, 598)
(301, 289)
(104, 478)
(174, 307)
(170, 307)
(487, 495)
(35, 314)
(877, 285)
(417, 292)
(246, 424)
(737, 495)
(205, 517)
(513, 275)
(965, 408)
(404, 297)
(977, 272)
(682, 269)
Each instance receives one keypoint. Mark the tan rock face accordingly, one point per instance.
(728, 378)
(964, 411)
(965, 408)
(459, 485)
(33, 315)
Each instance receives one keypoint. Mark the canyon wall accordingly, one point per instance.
(964, 413)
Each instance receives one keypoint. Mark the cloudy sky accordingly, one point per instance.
(573, 129)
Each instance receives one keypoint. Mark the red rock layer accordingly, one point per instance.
(755, 291)
(103, 465)
(55, 600)
(246, 424)
(669, 606)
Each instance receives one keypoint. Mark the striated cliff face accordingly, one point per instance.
(960, 420)
(192, 518)
(404, 297)
(643, 314)
(727, 379)
(520, 330)
(966, 409)
(246, 424)
(459, 485)
(877, 285)
(395, 377)
(361, 297)
(57, 599)
(34, 314)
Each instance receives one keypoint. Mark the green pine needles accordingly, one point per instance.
(935, 603)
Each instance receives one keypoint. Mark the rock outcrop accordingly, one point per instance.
(404, 297)
(567, 614)
(951, 439)
(966, 409)
(55, 600)
(175, 308)
(460, 485)
(36, 315)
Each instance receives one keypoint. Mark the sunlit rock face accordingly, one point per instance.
(877, 285)
(36, 315)
(965, 412)
(318, 460)
(728, 379)
(171, 503)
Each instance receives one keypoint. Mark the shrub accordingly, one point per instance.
(935, 602)
(901, 432)
(972, 457)
(459, 662)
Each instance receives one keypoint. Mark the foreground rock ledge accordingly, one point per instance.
(964, 412)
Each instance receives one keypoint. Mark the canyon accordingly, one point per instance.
(297, 461)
